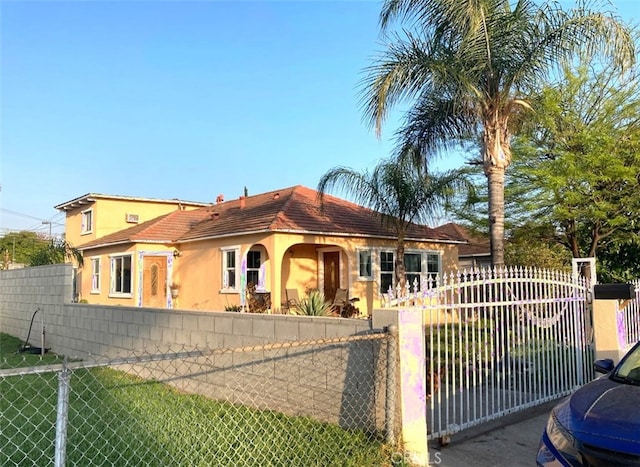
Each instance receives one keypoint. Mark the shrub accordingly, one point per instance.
(314, 304)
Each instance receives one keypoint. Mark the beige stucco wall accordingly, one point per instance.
(290, 261)
(299, 267)
(103, 296)
(198, 269)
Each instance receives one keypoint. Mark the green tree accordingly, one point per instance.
(577, 166)
(466, 69)
(618, 260)
(535, 245)
(400, 191)
(18, 247)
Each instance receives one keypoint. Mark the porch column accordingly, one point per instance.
(276, 256)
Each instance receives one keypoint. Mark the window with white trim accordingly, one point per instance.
(433, 265)
(413, 270)
(87, 221)
(253, 267)
(121, 274)
(386, 271)
(420, 266)
(230, 268)
(365, 265)
(95, 275)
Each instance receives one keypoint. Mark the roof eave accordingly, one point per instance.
(311, 232)
(92, 197)
(123, 242)
(76, 203)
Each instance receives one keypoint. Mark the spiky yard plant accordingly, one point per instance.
(314, 304)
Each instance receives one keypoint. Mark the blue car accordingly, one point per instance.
(599, 424)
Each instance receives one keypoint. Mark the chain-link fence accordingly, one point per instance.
(322, 403)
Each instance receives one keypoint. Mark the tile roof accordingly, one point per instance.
(293, 209)
(297, 209)
(163, 229)
(476, 244)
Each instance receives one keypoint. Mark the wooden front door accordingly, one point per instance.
(154, 281)
(331, 274)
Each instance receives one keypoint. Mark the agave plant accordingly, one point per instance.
(314, 304)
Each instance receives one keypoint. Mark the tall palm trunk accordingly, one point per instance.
(399, 263)
(496, 155)
(495, 175)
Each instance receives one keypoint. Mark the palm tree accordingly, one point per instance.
(467, 68)
(54, 252)
(400, 191)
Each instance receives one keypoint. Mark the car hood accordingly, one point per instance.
(605, 409)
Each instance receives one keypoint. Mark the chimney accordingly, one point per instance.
(242, 202)
(220, 198)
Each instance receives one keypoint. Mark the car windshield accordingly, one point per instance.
(629, 370)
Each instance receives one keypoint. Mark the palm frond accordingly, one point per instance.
(398, 73)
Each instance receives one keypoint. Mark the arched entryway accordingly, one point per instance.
(254, 279)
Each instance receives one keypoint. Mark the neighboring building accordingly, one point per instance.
(278, 240)
(475, 252)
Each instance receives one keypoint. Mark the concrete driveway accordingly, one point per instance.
(510, 441)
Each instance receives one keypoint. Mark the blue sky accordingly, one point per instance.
(180, 99)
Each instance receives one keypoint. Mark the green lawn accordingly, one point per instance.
(118, 419)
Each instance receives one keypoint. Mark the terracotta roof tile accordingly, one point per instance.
(293, 209)
(165, 228)
(476, 245)
(297, 209)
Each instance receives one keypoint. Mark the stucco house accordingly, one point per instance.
(283, 239)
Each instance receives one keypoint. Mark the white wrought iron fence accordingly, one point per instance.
(499, 341)
(630, 325)
(325, 402)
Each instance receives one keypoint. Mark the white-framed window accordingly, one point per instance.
(253, 267)
(230, 269)
(87, 221)
(365, 265)
(386, 271)
(121, 275)
(420, 266)
(95, 275)
(433, 265)
(413, 270)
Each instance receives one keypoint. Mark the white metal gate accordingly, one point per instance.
(499, 341)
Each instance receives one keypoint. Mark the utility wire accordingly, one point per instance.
(15, 213)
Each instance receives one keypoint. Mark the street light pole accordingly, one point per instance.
(48, 223)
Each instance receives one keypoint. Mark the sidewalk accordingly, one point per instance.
(509, 441)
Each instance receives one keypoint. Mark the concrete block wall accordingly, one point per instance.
(339, 382)
(76, 330)
(108, 330)
(22, 291)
